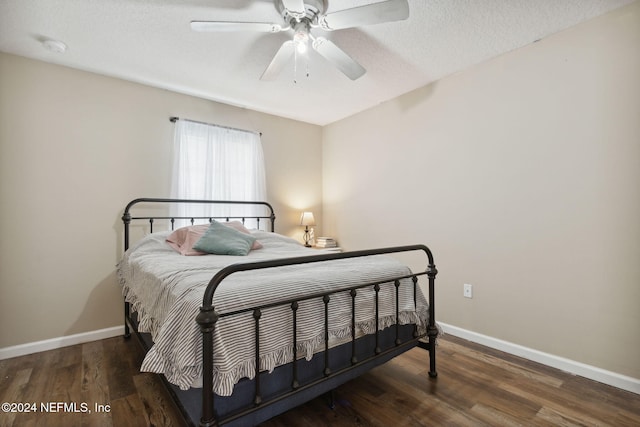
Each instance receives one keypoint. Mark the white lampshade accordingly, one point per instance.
(307, 219)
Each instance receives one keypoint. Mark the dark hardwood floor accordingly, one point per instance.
(476, 386)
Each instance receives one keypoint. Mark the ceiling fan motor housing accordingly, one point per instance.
(313, 8)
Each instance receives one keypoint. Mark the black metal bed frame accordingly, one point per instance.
(208, 316)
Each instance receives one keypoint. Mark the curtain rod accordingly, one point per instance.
(175, 119)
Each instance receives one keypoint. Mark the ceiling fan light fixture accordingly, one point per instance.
(301, 37)
(302, 46)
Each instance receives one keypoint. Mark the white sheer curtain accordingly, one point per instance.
(217, 163)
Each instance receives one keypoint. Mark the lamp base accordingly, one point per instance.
(306, 237)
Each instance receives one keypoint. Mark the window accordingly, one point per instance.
(218, 163)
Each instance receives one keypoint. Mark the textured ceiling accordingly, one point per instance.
(151, 42)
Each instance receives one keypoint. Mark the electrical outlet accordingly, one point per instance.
(467, 291)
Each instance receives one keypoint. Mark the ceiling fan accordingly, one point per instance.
(303, 15)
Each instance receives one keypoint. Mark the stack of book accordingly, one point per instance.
(326, 242)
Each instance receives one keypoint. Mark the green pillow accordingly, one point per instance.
(221, 240)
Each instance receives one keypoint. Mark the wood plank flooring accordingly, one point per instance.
(476, 386)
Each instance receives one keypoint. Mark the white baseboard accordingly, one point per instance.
(53, 343)
(577, 368)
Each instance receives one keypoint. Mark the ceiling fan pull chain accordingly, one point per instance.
(295, 66)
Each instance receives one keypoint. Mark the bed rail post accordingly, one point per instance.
(207, 319)
(126, 219)
(432, 329)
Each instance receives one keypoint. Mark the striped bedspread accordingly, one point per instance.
(166, 290)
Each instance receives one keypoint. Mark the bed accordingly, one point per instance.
(240, 337)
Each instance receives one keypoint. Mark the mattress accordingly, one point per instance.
(166, 290)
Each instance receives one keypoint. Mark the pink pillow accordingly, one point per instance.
(192, 237)
(183, 239)
(178, 238)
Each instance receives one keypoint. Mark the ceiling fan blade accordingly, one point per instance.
(338, 57)
(376, 13)
(294, 7)
(282, 57)
(222, 26)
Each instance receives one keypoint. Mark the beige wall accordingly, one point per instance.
(522, 174)
(75, 147)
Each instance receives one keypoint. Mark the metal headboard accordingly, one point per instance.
(127, 218)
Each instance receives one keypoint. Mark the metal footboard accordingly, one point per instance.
(208, 317)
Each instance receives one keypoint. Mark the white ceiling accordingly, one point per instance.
(150, 41)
